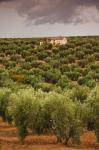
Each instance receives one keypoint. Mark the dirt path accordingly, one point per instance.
(9, 141)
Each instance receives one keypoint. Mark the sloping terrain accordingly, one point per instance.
(70, 71)
(25, 61)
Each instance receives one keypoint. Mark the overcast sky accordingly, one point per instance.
(36, 18)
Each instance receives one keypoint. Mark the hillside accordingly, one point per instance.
(49, 91)
(47, 67)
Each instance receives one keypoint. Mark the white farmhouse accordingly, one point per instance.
(57, 40)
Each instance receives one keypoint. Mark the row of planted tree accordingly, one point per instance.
(65, 114)
(28, 62)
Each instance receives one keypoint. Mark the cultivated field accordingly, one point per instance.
(51, 91)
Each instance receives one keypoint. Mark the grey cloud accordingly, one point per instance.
(52, 11)
(6, 0)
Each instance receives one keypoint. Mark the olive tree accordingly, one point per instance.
(26, 110)
(93, 103)
(61, 112)
(4, 100)
(20, 108)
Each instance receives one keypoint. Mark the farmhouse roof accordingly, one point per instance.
(56, 38)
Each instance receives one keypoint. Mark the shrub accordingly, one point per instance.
(65, 68)
(80, 55)
(71, 58)
(94, 66)
(96, 56)
(46, 87)
(73, 75)
(26, 65)
(52, 76)
(87, 81)
(63, 82)
(33, 80)
(82, 63)
(42, 55)
(80, 93)
(91, 58)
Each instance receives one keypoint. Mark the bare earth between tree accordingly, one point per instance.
(9, 141)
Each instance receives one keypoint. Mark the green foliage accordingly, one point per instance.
(79, 93)
(63, 82)
(46, 87)
(88, 81)
(73, 75)
(66, 114)
(75, 59)
(4, 101)
(52, 76)
(83, 63)
(93, 102)
(20, 108)
(64, 122)
(68, 76)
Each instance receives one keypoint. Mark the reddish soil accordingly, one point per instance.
(9, 141)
